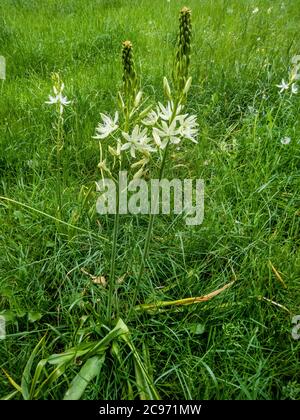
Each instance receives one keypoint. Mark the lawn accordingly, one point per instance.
(55, 263)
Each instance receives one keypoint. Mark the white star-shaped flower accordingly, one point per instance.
(58, 99)
(137, 141)
(108, 126)
(283, 86)
(151, 118)
(166, 113)
(188, 127)
(167, 133)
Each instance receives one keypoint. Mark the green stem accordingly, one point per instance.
(58, 181)
(113, 260)
(148, 237)
(112, 282)
(151, 219)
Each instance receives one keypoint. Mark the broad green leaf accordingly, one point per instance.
(89, 349)
(26, 376)
(88, 372)
(54, 375)
(36, 376)
(77, 351)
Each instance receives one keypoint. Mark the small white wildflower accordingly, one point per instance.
(151, 118)
(166, 113)
(283, 86)
(137, 141)
(285, 140)
(188, 127)
(59, 99)
(168, 133)
(294, 88)
(108, 126)
(256, 10)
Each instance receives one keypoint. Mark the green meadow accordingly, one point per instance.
(55, 265)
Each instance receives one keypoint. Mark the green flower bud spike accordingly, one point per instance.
(129, 74)
(182, 59)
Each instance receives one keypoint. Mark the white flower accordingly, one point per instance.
(151, 118)
(294, 88)
(188, 127)
(58, 99)
(108, 126)
(285, 140)
(168, 133)
(166, 113)
(137, 141)
(256, 10)
(283, 86)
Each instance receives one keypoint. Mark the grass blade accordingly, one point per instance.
(144, 382)
(13, 383)
(9, 396)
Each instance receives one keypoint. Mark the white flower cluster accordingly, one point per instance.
(153, 131)
(294, 76)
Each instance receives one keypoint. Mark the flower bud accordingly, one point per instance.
(138, 98)
(187, 86)
(167, 89)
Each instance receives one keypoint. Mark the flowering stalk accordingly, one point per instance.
(182, 83)
(143, 131)
(291, 85)
(129, 93)
(59, 101)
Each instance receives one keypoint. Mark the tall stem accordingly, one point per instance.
(58, 159)
(113, 259)
(112, 282)
(148, 236)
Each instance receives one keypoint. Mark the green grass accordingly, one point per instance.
(236, 346)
